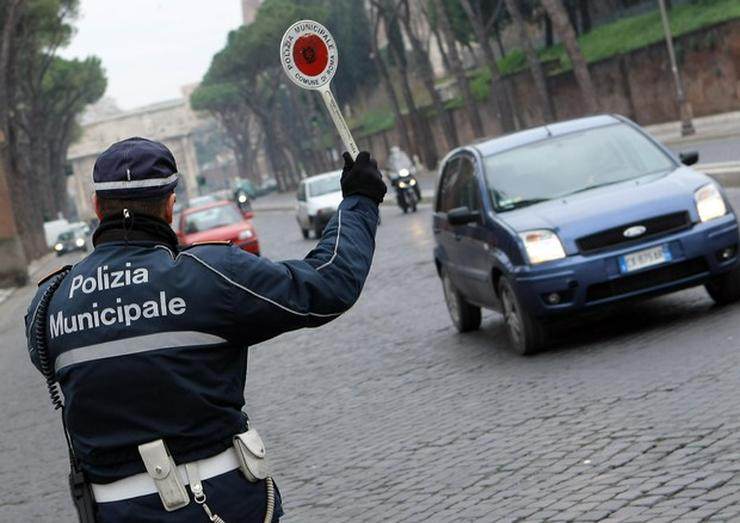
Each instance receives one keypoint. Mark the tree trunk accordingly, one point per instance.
(499, 41)
(406, 143)
(498, 89)
(549, 37)
(420, 124)
(421, 58)
(458, 70)
(585, 10)
(535, 66)
(557, 13)
(440, 47)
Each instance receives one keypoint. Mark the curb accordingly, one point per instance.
(426, 198)
(697, 138)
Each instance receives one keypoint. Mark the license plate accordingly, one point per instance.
(642, 259)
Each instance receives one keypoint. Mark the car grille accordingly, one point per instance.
(646, 279)
(614, 237)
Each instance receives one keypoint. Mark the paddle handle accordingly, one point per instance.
(336, 116)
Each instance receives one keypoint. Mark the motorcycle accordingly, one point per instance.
(241, 198)
(407, 190)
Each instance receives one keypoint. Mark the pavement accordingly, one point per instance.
(717, 139)
(388, 414)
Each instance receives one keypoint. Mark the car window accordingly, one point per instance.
(65, 236)
(467, 192)
(447, 195)
(578, 161)
(324, 186)
(301, 192)
(211, 218)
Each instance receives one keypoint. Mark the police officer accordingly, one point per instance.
(148, 341)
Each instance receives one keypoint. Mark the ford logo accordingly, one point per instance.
(634, 231)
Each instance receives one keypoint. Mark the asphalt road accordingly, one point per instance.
(714, 151)
(387, 414)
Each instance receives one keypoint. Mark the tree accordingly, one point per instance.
(42, 95)
(375, 20)
(250, 76)
(223, 102)
(421, 60)
(474, 9)
(458, 70)
(561, 23)
(388, 11)
(535, 66)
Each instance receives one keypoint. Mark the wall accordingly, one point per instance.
(637, 84)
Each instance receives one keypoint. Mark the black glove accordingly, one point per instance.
(362, 176)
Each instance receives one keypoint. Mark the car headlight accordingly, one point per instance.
(412, 182)
(402, 185)
(403, 172)
(246, 234)
(709, 203)
(542, 245)
(80, 242)
(58, 247)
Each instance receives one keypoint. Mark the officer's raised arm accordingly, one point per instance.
(274, 297)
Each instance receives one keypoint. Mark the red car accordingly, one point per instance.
(222, 221)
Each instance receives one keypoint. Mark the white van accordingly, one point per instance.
(318, 199)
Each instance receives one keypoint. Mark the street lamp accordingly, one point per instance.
(684, 106)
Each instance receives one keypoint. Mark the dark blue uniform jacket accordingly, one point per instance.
(149, 342)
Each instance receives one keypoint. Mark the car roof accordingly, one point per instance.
(535, 134)
(321, 176)
(217, 203)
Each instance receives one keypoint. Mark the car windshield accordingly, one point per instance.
(324, 186)
(65, 236)
(211, 218)
(576, 162)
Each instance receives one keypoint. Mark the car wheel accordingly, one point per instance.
(465, 317)
(526, 333)
(725, 288)
(305, 233)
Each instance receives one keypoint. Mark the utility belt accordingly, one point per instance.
(164, 477)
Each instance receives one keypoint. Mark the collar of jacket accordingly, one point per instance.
(136, 228)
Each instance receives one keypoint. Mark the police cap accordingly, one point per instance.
(135, 168)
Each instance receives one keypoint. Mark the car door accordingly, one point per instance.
(445, 236)
(475, 239)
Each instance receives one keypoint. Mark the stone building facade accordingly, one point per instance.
(172, 122)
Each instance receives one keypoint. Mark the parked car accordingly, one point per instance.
(219, 221)
(574, 215)
(318, 199)
(73, 239)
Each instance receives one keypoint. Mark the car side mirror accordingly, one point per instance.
(689, 158)
(462, 216)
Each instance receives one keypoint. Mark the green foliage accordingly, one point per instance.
(627, 34)
(480, 84)
(70, 85)
(375, 121)
(351, 29)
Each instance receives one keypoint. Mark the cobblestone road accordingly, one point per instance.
(388, 415)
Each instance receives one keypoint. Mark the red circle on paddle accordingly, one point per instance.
(310, 55)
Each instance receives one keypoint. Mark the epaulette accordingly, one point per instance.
(53, 273)
(212, 242)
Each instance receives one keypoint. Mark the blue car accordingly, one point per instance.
(573, 216)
